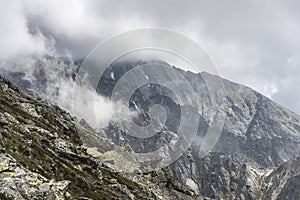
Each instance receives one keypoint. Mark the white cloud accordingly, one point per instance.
(250, 41)
(15, 39)
(289, 85)
(58, 87)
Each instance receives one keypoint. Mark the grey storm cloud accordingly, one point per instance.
(255, 43)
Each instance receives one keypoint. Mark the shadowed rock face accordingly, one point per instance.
(255, 127)
(257, 132)
(254, 158)
(283, 183)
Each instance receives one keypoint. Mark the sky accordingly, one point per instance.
(255, 43)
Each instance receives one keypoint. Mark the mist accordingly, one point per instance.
(57, 83)
(249, 43)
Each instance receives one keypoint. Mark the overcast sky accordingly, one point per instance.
(256, 43)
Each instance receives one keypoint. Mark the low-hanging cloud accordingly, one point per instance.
(251, 42)
(15, 38)
(56, 83)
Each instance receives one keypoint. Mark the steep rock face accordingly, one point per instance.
(284, 182)
(258, 129)
(215, 176)
(258, 135)
(255, 128)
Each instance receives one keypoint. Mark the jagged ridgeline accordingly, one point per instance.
(43, 155)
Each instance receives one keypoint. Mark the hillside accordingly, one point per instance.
(256, 156)
(42, 157)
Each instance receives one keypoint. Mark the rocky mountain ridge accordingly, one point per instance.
(256, 156)
(42, 157)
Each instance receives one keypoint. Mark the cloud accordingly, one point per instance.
(54, 82)
(77, 25)
(15, 39)
(250, 42)
(289, 94)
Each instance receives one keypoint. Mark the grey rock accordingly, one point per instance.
(254, 158)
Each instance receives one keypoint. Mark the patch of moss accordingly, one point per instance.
(4, 197)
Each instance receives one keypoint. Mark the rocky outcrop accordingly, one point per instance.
(42, 156)
(20, 183)
(283, 183)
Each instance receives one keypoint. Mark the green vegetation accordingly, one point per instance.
(45, 141)
(4, 197)
(38, 154)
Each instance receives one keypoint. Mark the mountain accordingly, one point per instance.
(42, 157)
(258, 136)
(45, 77)
(255, 128)
(256, 156)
